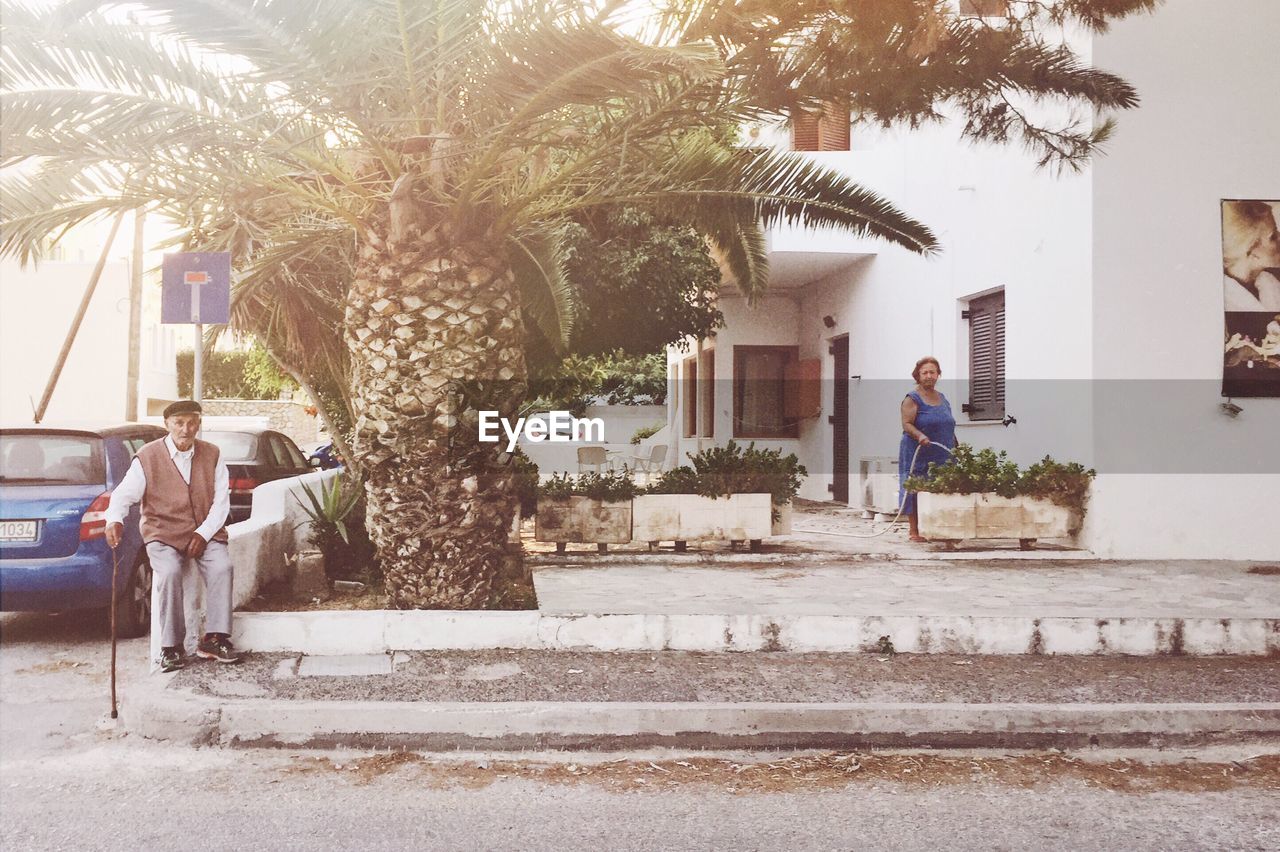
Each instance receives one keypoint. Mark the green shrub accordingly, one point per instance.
(986, 471)
(1064, 484)
(608, 487)
(526, 480)
(646, 432)
(731, 469)
(678, 480)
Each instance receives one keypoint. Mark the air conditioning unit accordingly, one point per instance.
(878, 483)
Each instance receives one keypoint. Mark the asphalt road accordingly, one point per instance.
(68, 781)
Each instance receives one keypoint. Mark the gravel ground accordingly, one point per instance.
(498, 675)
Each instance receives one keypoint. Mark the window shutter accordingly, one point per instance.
(690, 398)
(833, 128)
(805, 130)
(826, 130)
(986, 357)
(802, 389)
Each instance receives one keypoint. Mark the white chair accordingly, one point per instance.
(648, 459)
(657, 457)
(596, 458)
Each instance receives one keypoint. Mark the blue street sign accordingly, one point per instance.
(196, 288)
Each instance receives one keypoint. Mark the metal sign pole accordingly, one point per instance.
(196, 290)
(197, 384)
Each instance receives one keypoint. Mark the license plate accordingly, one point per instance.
(19, 530)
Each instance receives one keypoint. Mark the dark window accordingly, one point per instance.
(760, 398)
(824, 130)
(279, 452)
(235, 446)
(986, 357)
(34, 457)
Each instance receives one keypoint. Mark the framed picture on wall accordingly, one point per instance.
(1251, 298)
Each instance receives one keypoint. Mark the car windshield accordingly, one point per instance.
(50, 458)
(235, 446)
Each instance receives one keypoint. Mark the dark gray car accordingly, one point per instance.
(255, 456)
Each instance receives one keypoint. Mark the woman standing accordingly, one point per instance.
(926, 420)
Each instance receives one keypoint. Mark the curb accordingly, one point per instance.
(182, 716)
(383, 631)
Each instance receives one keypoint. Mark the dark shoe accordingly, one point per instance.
(171, 659)
(217, 647)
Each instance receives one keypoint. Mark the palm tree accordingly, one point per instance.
(425, 154)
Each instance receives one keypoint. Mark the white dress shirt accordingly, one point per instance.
(134, 484)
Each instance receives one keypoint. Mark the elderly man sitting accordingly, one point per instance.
(183, 487)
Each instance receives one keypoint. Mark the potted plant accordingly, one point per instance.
(338, 529)
(983, 494)
(729, 492)
(590, 507)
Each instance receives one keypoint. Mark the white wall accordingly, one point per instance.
(260, 546)
(37, 305)
(1177, 477)
(620, 423)
(36, 309)
(1002, 224)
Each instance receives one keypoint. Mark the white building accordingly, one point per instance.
(37, 305)
(1103, 291)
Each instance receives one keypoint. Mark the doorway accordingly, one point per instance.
(840, 420)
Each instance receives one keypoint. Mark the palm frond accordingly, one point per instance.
(545, 292)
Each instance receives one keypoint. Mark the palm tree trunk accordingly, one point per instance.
(435, 335)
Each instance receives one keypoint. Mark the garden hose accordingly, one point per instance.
(901, 503)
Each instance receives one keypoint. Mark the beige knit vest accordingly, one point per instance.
(172, 509)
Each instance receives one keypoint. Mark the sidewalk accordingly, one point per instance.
(852, 645)
(505, 700)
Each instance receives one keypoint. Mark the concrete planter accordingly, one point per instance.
(691, 517)
(965, 516)
(782, 526)
(582, 519)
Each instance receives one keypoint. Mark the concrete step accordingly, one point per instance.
(600, 701)
(610, 726)
(1018, 632)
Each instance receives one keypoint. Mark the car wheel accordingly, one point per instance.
(133, 606)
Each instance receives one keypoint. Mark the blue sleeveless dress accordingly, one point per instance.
(937, 422)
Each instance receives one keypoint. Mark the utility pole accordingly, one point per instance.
(135, 317)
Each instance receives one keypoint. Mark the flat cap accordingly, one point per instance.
(182, 406)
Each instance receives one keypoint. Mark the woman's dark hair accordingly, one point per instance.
(928, 359)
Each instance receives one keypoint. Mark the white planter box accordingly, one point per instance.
(963, 516)
(581, 519)
(691, 517)
(782, 526)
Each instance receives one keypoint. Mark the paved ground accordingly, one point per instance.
(163, 799)
(830, 566)
(870, 588)
(684, 676)
(70, 781)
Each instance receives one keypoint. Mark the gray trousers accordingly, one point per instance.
(167, 565)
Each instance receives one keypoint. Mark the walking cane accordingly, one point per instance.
(115, 570)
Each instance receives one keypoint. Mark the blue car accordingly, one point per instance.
(55, 484)
(325, 457)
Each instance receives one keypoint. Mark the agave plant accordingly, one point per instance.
(337, 528)
(403, 169)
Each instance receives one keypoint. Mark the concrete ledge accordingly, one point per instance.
(155, 710)
(610, 725)
(381, 631)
